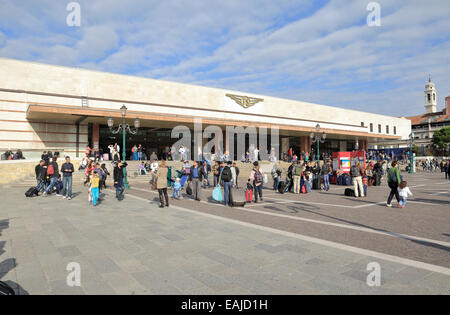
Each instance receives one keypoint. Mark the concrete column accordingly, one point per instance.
(363, 145)
(343, 146)
(305, 143)
(95, 136)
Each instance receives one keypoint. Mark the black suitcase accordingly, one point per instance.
(282, 187)
(349, 192)
(6, 289)
(32, 192)
(316, 183)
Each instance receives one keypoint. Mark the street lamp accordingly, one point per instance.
(124, 128)
(318, 139)
(412, 165)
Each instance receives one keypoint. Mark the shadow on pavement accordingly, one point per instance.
(8, 264)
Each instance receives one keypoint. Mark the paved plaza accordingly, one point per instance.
(320, 243)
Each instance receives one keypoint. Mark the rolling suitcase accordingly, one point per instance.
(249, 195)
(282, 187)
(32, 192)
(237, 199)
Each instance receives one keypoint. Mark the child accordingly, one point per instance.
(90, 175)
(141, 167)
(95, 183)
(104, 176)
(403, 191)
(176, 189)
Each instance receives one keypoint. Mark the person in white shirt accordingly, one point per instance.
(404, 192)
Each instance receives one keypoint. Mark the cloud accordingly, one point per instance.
(321, 52)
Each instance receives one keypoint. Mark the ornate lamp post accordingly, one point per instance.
(124, 128)
(318, 138)
(412, 165)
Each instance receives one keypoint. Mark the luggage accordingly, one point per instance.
(249, 195)
(349, 192)
(32, 192)
(189, 190)
(348, 180)
(282, 187)
(316, 183)
(217, 194)
(5, 289)
(237, 198)
(303, 190)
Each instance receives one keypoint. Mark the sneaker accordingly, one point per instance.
(44, 194)
(64, 197)
(388, 205)
(70, 198)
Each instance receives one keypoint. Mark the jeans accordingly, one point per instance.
(403, 201)
(163, 197)
(326, 182)
(216, 180)
(53, 181)
(40, 185)
(258, 190)
(139, 156)
(67, 186)
(176, 193)
(119, 190)
(95, 193)
(207, 182)
(227, 198)
(276, 183)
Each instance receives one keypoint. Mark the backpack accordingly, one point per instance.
(354, 171)
(50, 170)
(226, 174)
(258, 177)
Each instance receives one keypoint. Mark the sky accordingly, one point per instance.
(320, 51)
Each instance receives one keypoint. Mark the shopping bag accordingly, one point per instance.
(217, 194)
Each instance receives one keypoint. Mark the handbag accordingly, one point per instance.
(189, 190)
(217, 194)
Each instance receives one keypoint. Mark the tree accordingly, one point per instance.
(441, 140)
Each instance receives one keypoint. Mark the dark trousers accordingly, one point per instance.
(394, 192)
(163, 197)
(258, 190)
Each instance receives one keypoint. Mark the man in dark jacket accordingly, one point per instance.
(326, 172)
(41, 174)
(378, 172)
(206, 170)
(196, 176)
(118, 179)
(67, 169)
(53, 174)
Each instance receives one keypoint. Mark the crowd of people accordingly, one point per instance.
(9, 155)
(301, 177)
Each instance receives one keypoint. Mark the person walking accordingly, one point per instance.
(226, 179)
(357, 174)
(161, 184)
(67, 170)
(53, 174)
(196, 176)
(393, 178)
(95, 190)
(404, 192)
(257, 178)
(41, 174)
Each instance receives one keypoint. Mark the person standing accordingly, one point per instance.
(161, 184)
(326, 171)
(53, 174)
(139, 152)
(196, 176)
(357, 174)
(393, 177)
(206, 170)
(67, 170)
(118, 180)
(237, 172)
(257, 178)
(226, 178)
(216, 173)
(377, 173)
(296, 175)
(276, 175)
(447, 173)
